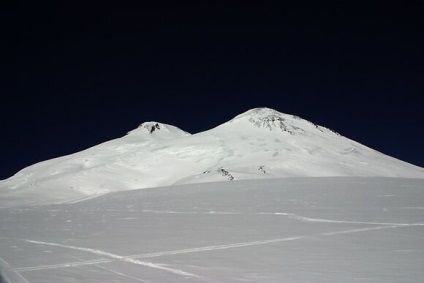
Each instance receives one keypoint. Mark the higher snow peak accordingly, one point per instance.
(260, 112)
(270, 119)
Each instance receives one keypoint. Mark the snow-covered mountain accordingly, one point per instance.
(260, 143)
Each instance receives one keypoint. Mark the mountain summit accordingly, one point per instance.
(276, 121)
(158, 130)
(260, 143)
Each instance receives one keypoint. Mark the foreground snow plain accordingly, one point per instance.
(344, 229)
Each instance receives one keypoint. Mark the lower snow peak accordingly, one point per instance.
(159, 130)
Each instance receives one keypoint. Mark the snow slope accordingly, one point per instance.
(260, 143)
(271, 230)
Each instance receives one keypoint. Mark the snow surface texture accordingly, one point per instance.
(260, 143)
(271, 230)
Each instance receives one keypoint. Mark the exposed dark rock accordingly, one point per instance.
(226, 173)
(272, 122)
(262, 169)
(154, 127)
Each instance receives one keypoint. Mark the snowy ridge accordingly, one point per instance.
(258, 144)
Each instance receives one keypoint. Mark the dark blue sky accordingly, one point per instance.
(74, 75)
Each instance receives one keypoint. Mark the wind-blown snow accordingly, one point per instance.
(261, 143)
(271, 230)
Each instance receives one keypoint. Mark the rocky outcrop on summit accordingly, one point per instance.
(274, 122)
(158, 130)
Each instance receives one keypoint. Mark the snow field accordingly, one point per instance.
(270, 230)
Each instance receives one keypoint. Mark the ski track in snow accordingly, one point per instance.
(114, 271)
(62, 265)
(255, 243)
(134, 258)
(4, 262)
(288, 214)
(3, 277)
(4, 274)
(308, 219)
(22, 277)
(114, 256)
(218, 247)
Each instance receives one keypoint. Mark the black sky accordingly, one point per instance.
(73, 76)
